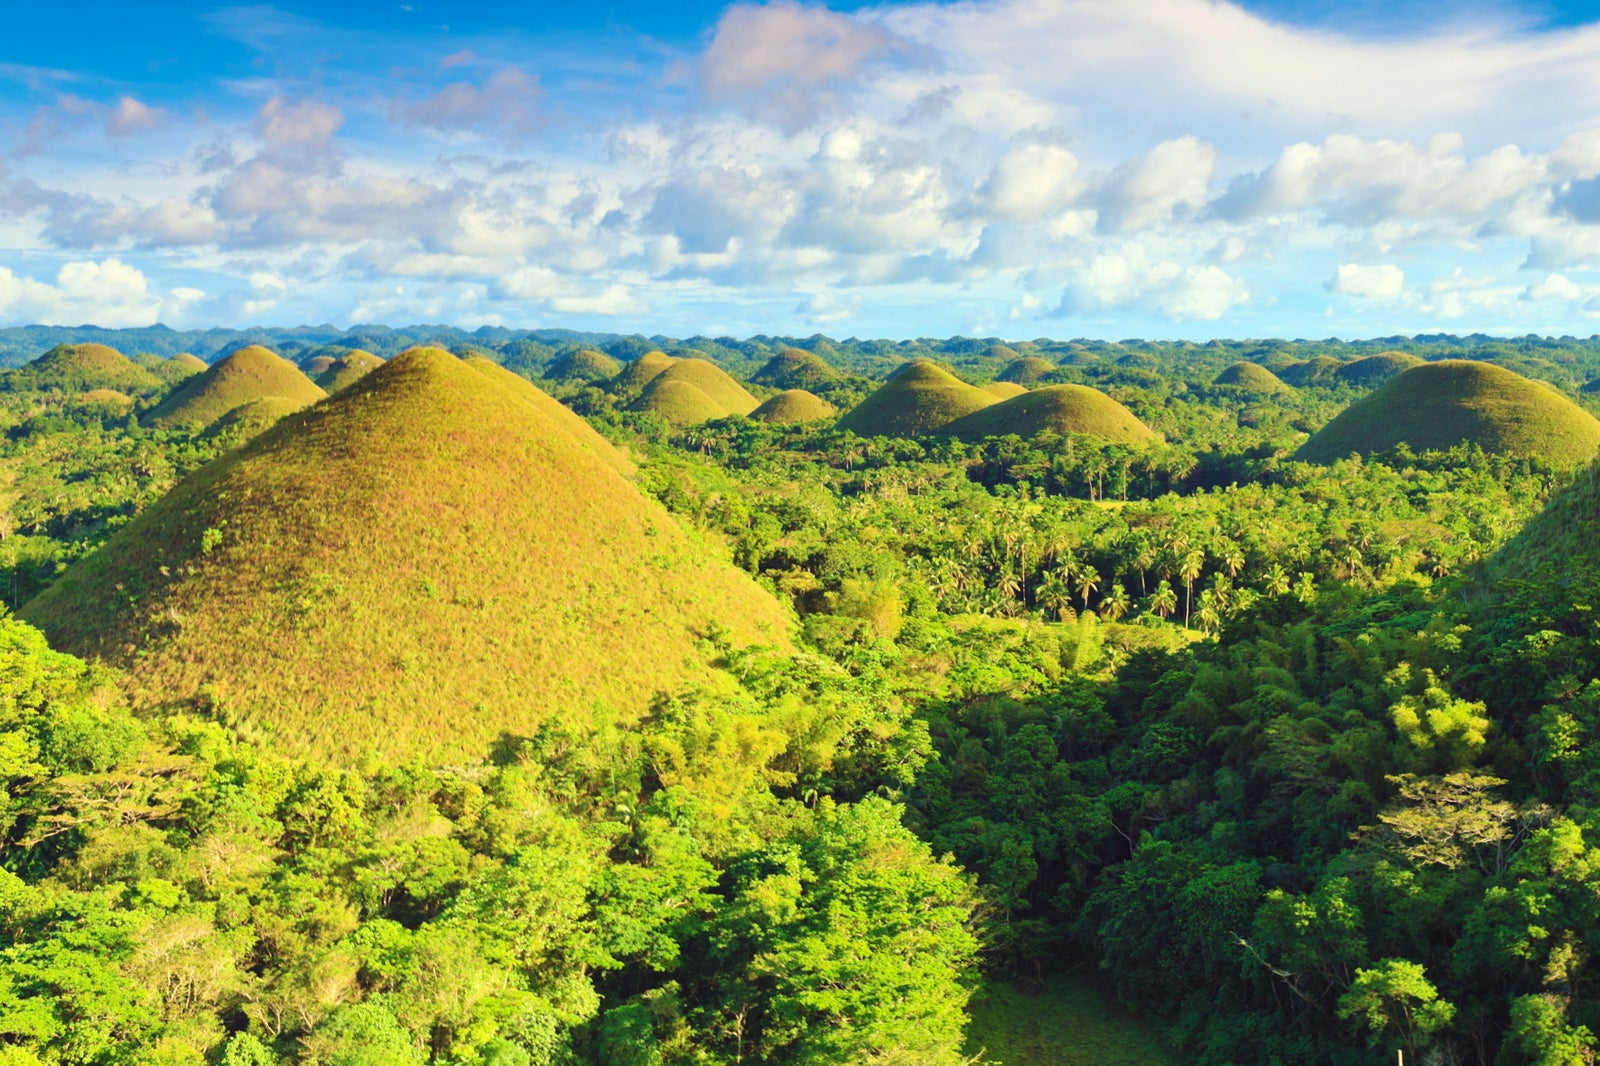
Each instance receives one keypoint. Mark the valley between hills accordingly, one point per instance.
(513, 698)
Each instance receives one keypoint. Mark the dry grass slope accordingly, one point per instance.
(1059, 409)
(1249, 377)
(347, 370)
(795, 368)
(550, 408)
(582, 367)
(793, 405)
(918, 399)
(632, 379)
(1436, 406)
(249, 374)
(1027, 370)
(413, 568)
(1004, 390)
(691, 391)
(250, 420)
(1375, 370)
(80, 367)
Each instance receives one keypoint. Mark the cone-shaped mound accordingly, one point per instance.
(1059, 409)
(416, 567)
(190, 362)
(317, 366)
(1559, 543)
(639, 373)
(1436, 406)
(251, 373)
(550, 407)
(1318, 371)
(918, 399)
(582, 367)
(250, 420)
(1249, 377)
(793, 405)
(667, 396)
(81, 367)
(347, 370)
(1004, 390)
(171, 371)
(1375, 370)
(1027, 370)
(795, 368)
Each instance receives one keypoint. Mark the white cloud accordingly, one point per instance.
(758, 44)
(1174, 174)
(1032, 181)
(507, 100)
(305, 125)
(1554, 287)
(129, 116)
(1382, 281)
(108, 292)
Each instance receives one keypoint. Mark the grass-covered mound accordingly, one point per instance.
(1059, 409)
(582, 367)
(1436, 406)
(795, 368)
(1249, 377)
(1004, 390)
(347, 370)
(918, 399)
(74, 368)
(171, 371)
(248, 374)
(420, 565)
(318, 365)
(1317, 371)
(1375, 370)
(631, 379)
(793, 405)
(691, 391)
(551, 408)
(1026, 371)
(250, 420)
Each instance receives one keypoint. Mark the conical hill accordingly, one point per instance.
(791, 406)
(583, 367)
(795, 368)
(918, 399)
(1059, 409)
(1435, 406)
(1375, 370)
(691, 391)
(347, 370)
(421, 565)
(633, 377)
(1250, 377)
(1004, 390)
(1026, 371)
(1319, 370)
(248, 374)
(77, 368)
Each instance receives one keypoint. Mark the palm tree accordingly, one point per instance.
(1053, 594)
(1305, 588)
(1277, 580)
(1088, 581)
(1210, 613)
(1189, 567)
(1163, 601)
(1232, 560)
(1116, 603)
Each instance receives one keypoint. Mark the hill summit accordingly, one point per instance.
(81, 368)
(1252, 377)
(690, 391)
(347, 370)
(1436, 406)
(420, 565)
(1059, 409)
(795, 368)
(918, 399)
(249, 374)
(793, 405)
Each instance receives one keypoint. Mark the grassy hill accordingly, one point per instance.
(418, 566)
(318, 365)
(1027, 370)
(795, 368)
(1004, 390)
(633, 377)
(251, 373)
(1057, 409)
(918, 399)
(552, 409)
(1560, 540)
(1248, 377)
(1374, 370)
(691, 391)
(250, 420)
(582, 367)
(171, 371)
(1317, 371)
(1436, 406)
(347, 370)
(793, 405)
(74, 368)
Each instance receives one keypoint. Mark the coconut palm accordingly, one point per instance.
(1088, 580)
(1053, 594)
(1189, 567)
(1116, 603)
(1163, 601)
(1277, 580)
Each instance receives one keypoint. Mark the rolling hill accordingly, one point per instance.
(795, 368)
(248, 374)
(1026, 371)
(1059, 409)
(1559, 542)
(793, 405)
(1004, 390)
(75, 368)
(1435, 406)
(421, 565)
(582, 367)
(347, 370)
(633, 377)
(1374, 370)
(1316, 371)
(919, 399)
(691, 391)
(1249, 377)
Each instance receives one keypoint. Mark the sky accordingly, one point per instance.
(1013, 168)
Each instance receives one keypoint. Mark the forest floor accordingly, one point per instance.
(1070, 1024)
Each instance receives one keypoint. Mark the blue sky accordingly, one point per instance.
(1022, 168)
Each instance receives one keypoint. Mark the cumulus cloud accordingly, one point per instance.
(130, 116)
(108, 292)
(1128, 278)
(758, 44)
(1382, 281)
(304, 125)
(508, 100)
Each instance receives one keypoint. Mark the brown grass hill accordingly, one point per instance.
(582, 367)
(347, 370)
(1058, 409)
(1004, 390)
(795, 368)
(250, 420)
(1375, 370)
(423, 564)
(75, 368)
(633, 377)
(1028, 370)
(171, 371)
(318, 365)
(248, 374)
(919, 399)
(792, 406)
(1435, 406)
(1249, 377)
(551, 408)
(1317, 371)
(691, 391)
